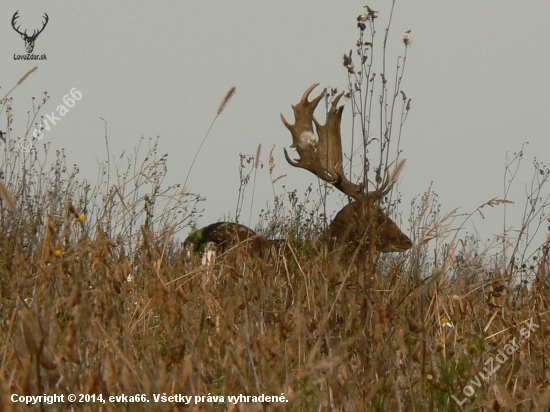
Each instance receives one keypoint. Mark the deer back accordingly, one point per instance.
(224, 236)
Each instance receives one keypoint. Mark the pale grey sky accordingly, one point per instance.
(477, 73)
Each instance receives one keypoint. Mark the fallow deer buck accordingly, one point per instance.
(359, 228)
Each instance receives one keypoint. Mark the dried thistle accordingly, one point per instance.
(407, 38)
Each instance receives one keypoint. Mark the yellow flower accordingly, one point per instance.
(81, 218)
(57, 253)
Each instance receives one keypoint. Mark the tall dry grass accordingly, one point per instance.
(100, 318)
(98, 298)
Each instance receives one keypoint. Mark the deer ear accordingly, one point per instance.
(23, 36)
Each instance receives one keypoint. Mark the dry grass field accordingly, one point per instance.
(83, 312)
(99, 300)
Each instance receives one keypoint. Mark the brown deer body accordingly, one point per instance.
(361, 227)
(225, 236)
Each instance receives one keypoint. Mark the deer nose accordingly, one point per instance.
(404, 243)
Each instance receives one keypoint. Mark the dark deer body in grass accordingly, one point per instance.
(225, 236)
(361, 227)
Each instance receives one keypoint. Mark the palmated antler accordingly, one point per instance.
(321, 154)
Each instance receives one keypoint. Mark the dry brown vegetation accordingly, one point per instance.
(98, 298)
(87, 313)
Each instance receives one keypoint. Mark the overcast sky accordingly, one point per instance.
(477, 73)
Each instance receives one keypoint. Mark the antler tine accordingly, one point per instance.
(303, 115)
(47, 19)
(389, 181)
(314, 167)
(320, 155)
(35, 33)
(13, 21)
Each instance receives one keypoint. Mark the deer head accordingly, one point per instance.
(29, 40)
(361, 224)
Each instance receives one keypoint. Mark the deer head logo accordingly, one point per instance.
(29, 40)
